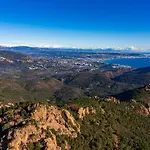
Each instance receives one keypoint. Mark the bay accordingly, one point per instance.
(132, 62)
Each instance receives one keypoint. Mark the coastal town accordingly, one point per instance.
(58, 62)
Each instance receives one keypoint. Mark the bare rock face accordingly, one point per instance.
(116, 142)
(67, 146)
(72, 121)
(142, 110)
(6, 105)
(52, 117)
(112, 99)
(44, 124)
(27, 126)
(24, 136)
(86, 111)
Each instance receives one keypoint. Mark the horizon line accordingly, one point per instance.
(69, 47)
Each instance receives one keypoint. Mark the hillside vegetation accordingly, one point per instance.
(30, 90)
(82, 124)
(139, 76)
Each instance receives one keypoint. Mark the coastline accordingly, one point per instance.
(109, 63)
(131, 64)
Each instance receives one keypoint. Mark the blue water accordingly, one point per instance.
(132, 62)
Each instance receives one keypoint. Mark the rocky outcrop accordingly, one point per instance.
(142, 110)
(52, 117)
(116, 142)
(72, 121)
(44, 124)
(147, 88)
(82, 112)
(112, 99)
(27, 126)
(30, 134)
(6, 105)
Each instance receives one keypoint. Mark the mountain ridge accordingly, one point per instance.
(49, 48)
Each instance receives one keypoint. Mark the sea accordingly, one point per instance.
(132, 62)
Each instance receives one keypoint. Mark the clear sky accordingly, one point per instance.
(76, 23)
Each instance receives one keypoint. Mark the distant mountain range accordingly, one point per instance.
(27, 49)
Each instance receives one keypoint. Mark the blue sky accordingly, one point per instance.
(76, 23)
